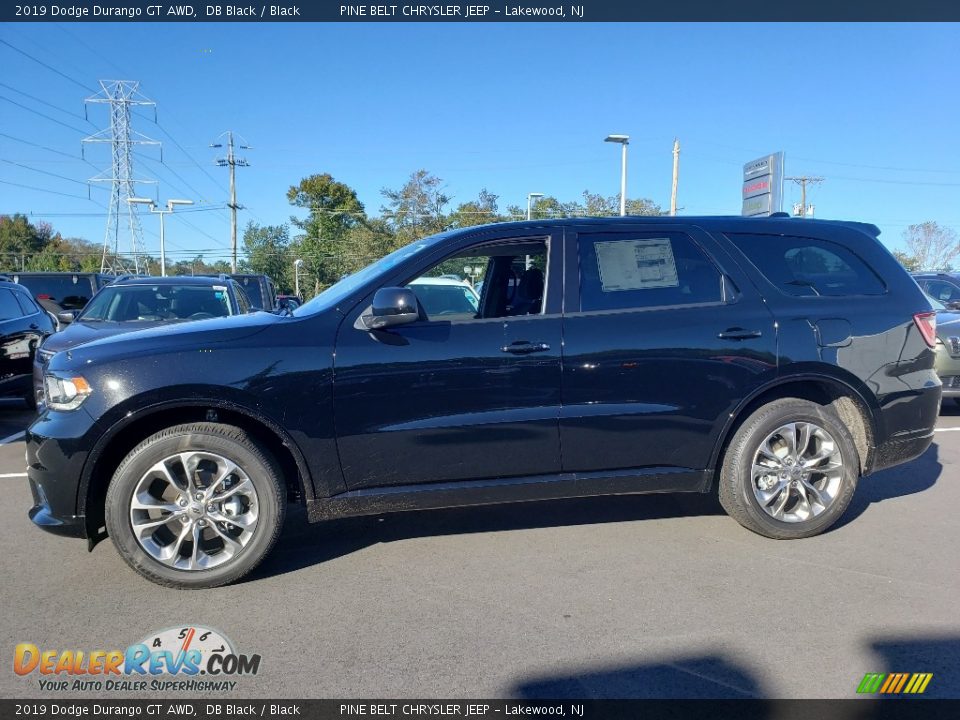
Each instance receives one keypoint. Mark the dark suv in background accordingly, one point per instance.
(776, 361)
(260, 290)
(59, 291)
(135, 302)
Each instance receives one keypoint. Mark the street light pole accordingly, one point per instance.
(161, 213)
(530, 197)
(296, 276)
(624, 140)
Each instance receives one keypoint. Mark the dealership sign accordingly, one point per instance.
(762, 190)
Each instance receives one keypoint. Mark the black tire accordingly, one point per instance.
(735, 487)
(229, 442)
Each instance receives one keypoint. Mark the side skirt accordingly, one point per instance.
(374, 501)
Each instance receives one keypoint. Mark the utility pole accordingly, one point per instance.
(803, 181)
(676, 176)
(232, 161)
(121, 96)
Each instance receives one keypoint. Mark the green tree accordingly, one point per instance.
(19, 238)
(907, 260)
(267, 250)
(332, 210)
(416, 209)
(481, 211)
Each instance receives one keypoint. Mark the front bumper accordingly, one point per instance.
(55, 463)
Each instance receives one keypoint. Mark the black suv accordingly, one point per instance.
(774, 360)
(63, 291)
(135, 302)
(944, 287)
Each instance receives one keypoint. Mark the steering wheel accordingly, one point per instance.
(200, 316)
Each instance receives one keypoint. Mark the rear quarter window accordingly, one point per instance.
(809, 267)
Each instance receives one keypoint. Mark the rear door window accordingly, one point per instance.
(9, 308)
(810, 267)
(642, 270)
(943, 291)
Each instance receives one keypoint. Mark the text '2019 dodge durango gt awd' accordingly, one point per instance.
(774, 360)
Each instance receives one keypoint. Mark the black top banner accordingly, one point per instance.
(218, 709)
(577, 11)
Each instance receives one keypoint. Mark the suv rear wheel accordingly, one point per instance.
(195, 506)
(790, 470)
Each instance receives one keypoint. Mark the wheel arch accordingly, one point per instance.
(849, 402)
(128, 432)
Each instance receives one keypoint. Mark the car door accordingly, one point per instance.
(455, 397)
(17, 342)
(663, 337)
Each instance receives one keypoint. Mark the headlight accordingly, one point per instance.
(65, 393)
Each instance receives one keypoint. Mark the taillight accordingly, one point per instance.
(927, 324)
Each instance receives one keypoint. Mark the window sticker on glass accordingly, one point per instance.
(636, 264)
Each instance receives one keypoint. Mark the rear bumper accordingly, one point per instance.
(895, 452)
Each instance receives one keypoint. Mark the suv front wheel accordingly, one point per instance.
(195, 506)
(790, 470)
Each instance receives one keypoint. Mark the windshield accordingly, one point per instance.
(340, 290)
(251, 286)
(937, 305)
(157, 303)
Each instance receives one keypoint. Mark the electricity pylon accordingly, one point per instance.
(121, 95)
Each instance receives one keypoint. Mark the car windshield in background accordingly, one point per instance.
(64, 291)
(440, 300)
(158, 303)
(252, 289)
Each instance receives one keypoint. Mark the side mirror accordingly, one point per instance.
(67, 316)
(392, 306)
(953, 304)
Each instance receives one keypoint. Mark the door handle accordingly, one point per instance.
(522, 347)
(737, 333)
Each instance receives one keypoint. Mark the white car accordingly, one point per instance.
(444, 297)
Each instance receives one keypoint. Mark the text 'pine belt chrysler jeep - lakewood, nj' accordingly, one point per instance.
(773, 360)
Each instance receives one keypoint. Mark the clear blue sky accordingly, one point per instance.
(514, 108)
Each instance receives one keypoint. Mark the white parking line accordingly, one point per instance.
(12, 475)
(956, 429)
(11, 438)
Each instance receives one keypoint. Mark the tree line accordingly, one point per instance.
(338, 236)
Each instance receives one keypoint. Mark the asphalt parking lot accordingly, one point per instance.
(647, 596)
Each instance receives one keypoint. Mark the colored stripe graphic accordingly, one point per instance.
(894, 683)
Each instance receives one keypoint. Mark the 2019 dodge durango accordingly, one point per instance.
(774, 361)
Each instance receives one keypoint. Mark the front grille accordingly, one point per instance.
(955, 345)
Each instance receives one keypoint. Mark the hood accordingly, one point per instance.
(77, 333)
(948, 324)
(160, 338)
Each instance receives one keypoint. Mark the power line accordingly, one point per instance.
(46, 172)
(44, 102)
(48, 67)
(232, 162)
(37, 112)
(42, 147)
(52, 192)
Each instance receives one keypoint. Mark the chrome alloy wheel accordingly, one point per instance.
(797, 472)
(194, 510)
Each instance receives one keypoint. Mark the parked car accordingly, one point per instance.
(23, 326)
(260, 290)
(943, 287)
(775, 361)
(136, 302)
(947, 363)
(57, 292)
(443, 296)
(288, 303)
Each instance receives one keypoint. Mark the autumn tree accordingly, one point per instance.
(931, 246)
